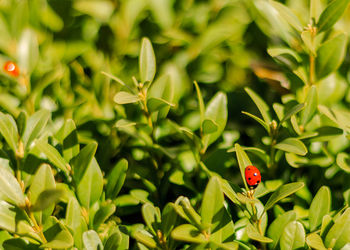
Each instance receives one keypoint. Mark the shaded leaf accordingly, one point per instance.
(47, 198)
(310, 106)
(81, 162)
(209, 126)
(261, 105)
(116, 178)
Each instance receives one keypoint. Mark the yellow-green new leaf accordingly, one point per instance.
(188, 233)
(277, 226)
(10, 189)
(255, 235)
(261, 105)
(314, 241)
(8, 130)
(124, 97)
(293, 236)
(331, 14)
(339, 234)
(320, 206)
(147, 61)
(288, 15)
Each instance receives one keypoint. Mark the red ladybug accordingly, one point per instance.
(11, 68)
(252, 176)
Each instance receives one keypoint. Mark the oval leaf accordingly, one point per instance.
(315, 241)
(293, 236)
(320, 206)
(283, 192)
(339, 234)
(255, 235)
(124, 97)
(330, 55)
(188, 233)
(277, 226)
(116, 178)
(331, 14)
(8, 130)
(209, 126)
(91, 240)
(147, 61)
(292, 145)
(10, 188)
(288, 15)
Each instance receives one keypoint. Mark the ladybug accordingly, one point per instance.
(11, 68)
(252, 176)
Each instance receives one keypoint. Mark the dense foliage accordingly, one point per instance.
(128, 124)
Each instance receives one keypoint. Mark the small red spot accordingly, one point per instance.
(11, 68)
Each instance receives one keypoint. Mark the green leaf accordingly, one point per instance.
(163, 92)
(47, 198)
(155, 104)
(309, 41)
(216, 111)
(43, 180)
(288, 15)
(263, 123)
(286, 57)
(330, 55)
(116, 178)
(35, 126)
(283, 192)
(52, 155)
(103, 213)
(293, 236)
(212, 204)
(339, 234)
(81, 162)
(145, 239)
(169, 218)
(314, 241)
(310, 106)
(68, 137)
(8, 130)
(200, 102)
(331, 14)
(123, 123)
(209, 126)
(294, 110)
(184, 208)
(92, 241)
(253, 233)
(320, 206)
(243, 162)
(147, 61)
(151, 215)
(261, 105)
(124, 97)
(75, 221)
(277, 226)
(188, 233)
(90, 186)
(10, 189)
(292, 145)
(58, 237)
(343, 161)
(327, 223)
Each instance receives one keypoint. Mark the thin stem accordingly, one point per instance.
(312, 69)
(36, 226)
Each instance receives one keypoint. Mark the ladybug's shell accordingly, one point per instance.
(11, 68)
(252, 176)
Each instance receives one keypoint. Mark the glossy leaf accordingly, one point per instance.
(68, 137)
(311, 103)
(10, 188)
(243, 162)
(151, 215)
(314, 241)
(123, 97)
(104, 212)
(293, 236)
(52, 155)
(212, 204)
(283, 192)
(277, 226)
(294, 110)
(343, 161)
(255, 235)
(82, 161)
(200, 102)
(27, 51)
(116, 178)
(145, 239)
(35, 126)
(292, 145)
(263, 123)
(288, 15)
(91, 240)
(320, 206)
(339, 234)
(147, 61)
(330, 55)
(331, 14)
(8, 130)
(217, 111)
(261, 105)
(58, 237)
(188, 233)
(155, 104)
(169, 218)
(90, 186)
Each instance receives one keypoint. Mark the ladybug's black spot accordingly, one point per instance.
(258, 182)
(249, 178)
(255, 174)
